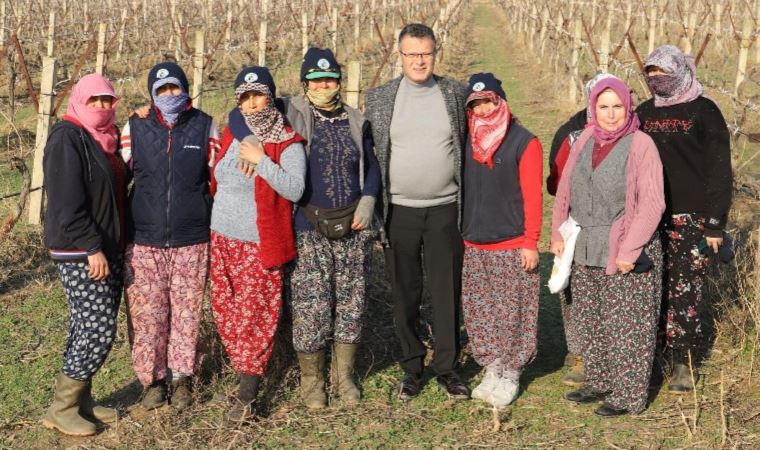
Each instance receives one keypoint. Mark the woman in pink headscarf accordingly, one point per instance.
(612, 186)
(85, 185)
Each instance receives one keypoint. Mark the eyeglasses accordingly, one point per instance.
(428, 55)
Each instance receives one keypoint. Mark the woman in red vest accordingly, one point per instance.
(256, 176)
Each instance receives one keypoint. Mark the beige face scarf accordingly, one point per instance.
(324, 99)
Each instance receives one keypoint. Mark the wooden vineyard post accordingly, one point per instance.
(304, 32)
(121, 34)
(533, 22)
(357, 29)
(47, 97)
(397, 66)
(353, 83)
(372, 22)
(51, 35)
(228, 28)
(745, 42)
(604, 57)
(263, 34)
(2, 23)
(544, 29)
(757, 31)
(574, 59)
(690, 30)
(652, 27)
(198, 62)
(717, 24)
(100, 62)
(334, 31)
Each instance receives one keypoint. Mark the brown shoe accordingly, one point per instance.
(182, 396)
(453, 386)
(408, 388)
(154, 395)
(576, 376)
(681, 382)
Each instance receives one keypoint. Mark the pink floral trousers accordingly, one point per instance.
(164, 293)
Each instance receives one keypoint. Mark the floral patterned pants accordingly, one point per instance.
(327, 285)
(569, 321)
(246, 300)
(93, 306)
(617, 328)
(164, 289)
(685, 274)
(500, 305)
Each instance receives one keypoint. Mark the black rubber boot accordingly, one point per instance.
(241, 408)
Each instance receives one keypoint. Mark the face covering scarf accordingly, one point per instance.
(679, 83)
(100, 123)
(324, 99)
(170, 105)
(487, 131)
(267, 125)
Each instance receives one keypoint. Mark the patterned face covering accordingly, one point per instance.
(487, 131)
(169, 105)
(267, 125)
(679, 83)
(325, 99)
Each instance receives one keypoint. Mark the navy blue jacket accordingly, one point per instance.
(170, 203)
(492, 198)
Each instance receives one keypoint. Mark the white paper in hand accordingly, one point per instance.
(560, 276)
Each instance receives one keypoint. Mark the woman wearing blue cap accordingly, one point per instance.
(501, 225)
(334, 230)
(252, 228)
(166, 261)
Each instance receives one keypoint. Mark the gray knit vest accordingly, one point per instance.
(597, 199)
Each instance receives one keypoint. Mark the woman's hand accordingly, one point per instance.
(98, 266)
(247, 168)
(557, 248)
(529, 259)
(142, 112)
(623, 266)
(251, 153)
(714, 243)
(363, 213)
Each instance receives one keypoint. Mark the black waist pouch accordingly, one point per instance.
(333, 223)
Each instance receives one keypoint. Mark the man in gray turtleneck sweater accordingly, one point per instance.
(419, 124)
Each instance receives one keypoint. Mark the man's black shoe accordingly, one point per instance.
(584, 395)
(453, 385)
(408, 388)
(609, 411)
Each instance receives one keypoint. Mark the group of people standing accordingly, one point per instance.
(283, 206)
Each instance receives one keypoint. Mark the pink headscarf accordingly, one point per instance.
(100, 123)
(631, 123)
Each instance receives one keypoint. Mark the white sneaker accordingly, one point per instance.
(504, 393)
(486, 386)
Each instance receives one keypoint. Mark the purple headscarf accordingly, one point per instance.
(679, 83)
(631, 123)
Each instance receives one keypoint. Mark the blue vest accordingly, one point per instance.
(170, 204)
(492, 209)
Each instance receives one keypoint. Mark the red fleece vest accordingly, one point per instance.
(274, 216)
